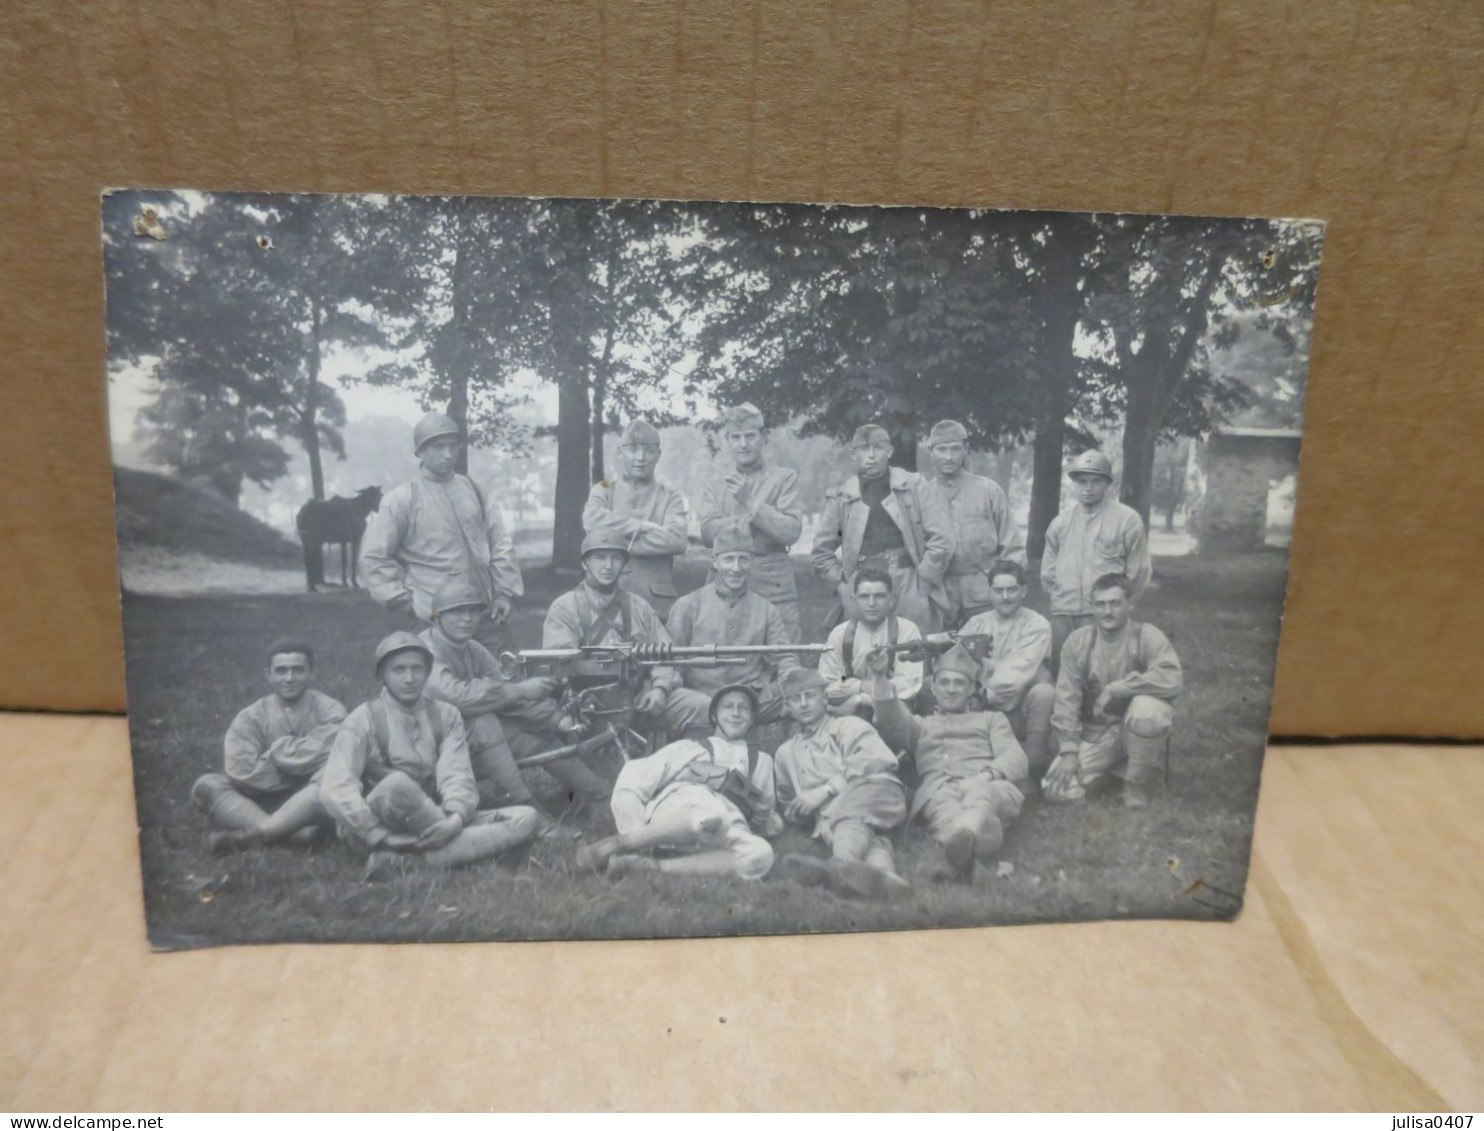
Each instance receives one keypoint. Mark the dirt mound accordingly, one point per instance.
(156, 512)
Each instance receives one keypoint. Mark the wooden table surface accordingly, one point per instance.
(1353, 979)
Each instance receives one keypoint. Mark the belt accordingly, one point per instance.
(892, 559)
(956, 570)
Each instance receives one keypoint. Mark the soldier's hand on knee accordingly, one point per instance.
(441, 834)
(399, 842)
(652, 702)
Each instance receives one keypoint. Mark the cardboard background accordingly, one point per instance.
(1363, 114)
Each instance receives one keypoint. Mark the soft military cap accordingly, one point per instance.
(605, 540)
(457, 593)
(639, 432)
(947, 432)
(432, 427)
(745, 415)
(957, 659)
(732, 537)
(799, 679)
(1092, 463)
(869, 434)
(401, 642)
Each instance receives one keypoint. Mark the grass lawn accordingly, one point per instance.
(193, 662)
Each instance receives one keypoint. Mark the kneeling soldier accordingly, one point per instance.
(837, 774)
(273, 754)
(399, 781)
(503, 719)
(712, 800)
(969, 766)
(1115, 699)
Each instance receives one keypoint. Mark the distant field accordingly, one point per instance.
(194, 661)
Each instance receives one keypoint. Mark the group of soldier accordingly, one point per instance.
(426, 773)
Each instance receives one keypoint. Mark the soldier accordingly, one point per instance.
(650, 517)
(850, 645)
(712, 800)
(1115, 700)
(983, 530)
(1017, 677)
(890, 518)
(766, 499)
(503, 719)
(436, 526)
(398, 781)
(599, 612)
(970, 768)
(726, 611)
(1095, 535)
(273, 754)
(838, 776)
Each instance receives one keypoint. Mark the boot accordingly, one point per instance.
(630, 864)
(597, 856)
(1136, 795)
(961, 850)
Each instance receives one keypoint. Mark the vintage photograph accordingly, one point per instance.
(506, 568)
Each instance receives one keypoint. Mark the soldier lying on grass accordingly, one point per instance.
(711, 800)
(838, 776)
(398, 781)
(273, 754)
(970, 768)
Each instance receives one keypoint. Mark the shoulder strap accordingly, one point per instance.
(379, 727)
(619, 612)
(751, 755)
(848, 649)
(893, 629)
(435, 716)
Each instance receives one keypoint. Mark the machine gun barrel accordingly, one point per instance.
(693, 655)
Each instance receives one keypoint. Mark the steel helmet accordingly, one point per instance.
(402, 641)
(1092, 463)
(757, 704)
(605, 540)
(431, 427)
(457, 593)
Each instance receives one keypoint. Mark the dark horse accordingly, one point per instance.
(338, 520)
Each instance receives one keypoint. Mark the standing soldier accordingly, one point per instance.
(1115, 700)
(650, 517)
(983, 530)
(599, 612)
(1095, 535)
(970, 769)
(1017, 674)
(767, 500)
(726, 611)
(436, 526)
(398, 779)
(503, 719)
(890, 518)
(273, 754)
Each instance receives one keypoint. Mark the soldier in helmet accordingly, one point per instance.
(1095, 535)
(398, 780)
(726, 611)
(436, 526)
(711, 801)
(504, 719)
(651, 518)
(766, 500)
(890, 518)
(983, 530)
(600, 611)
(272, 757)
(970, 769)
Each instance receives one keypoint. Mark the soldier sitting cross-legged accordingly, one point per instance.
(398, 782)
(274, 752)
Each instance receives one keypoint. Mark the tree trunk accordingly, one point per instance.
(1046, 461)
(458, 377)
(574, 437)
(600, 402)
(1140, 439)
(310, 416)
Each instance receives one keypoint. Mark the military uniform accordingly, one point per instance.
(910, 515)
(775, 518)
(906, 675)
(1130, 743)
(709, 616)
(273, 755)
(402, 769)
(846, 754)
(1017, 677)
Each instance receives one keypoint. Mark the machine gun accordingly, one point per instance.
(977, 644)
(599, 681)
